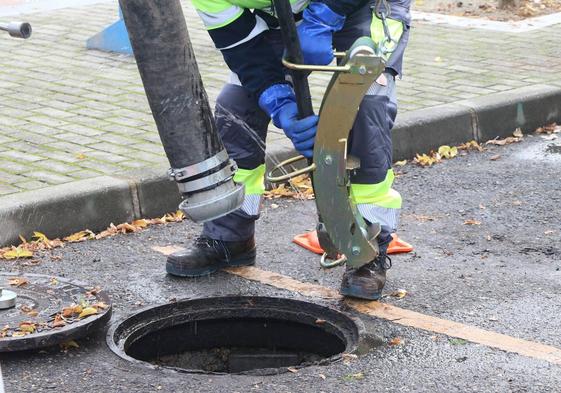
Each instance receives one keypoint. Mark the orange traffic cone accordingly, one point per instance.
(309, 241)
(398, 246)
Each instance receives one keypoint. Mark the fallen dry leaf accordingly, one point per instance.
(299, 187)
(45, 242)
(495, 157)
(16, 253)
(101, 305)
(86, 312)
(80, 236)
(67, 312)
(400, 293)
(140, 223)
(552, 128)
(348, 357)
(422, 218)
(447, 151)
(472, 222)
(292, 369)
(395, 341)
(18, 281)
(27, 327)
(58, 321)
(426, 160)
(400, 163)
(471, 145)
(65, 346)
(355, 376)
(506, 141)
(518, 133)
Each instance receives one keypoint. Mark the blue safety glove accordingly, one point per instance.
(316, 33)
(279, 102)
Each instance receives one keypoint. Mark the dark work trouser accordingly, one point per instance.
(243, 128)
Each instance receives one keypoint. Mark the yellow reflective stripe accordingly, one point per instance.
(213, 7)
(217, 20)
(377, 32)
(380, 194)
(298, 5)
(253, 179)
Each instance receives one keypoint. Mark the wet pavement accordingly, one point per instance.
(503, 275)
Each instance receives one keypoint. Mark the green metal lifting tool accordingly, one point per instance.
(342, 231)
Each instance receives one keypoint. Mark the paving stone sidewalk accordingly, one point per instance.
(68, 113)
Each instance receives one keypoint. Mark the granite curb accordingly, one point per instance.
(95, 203)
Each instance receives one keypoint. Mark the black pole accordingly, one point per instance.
(164, 55)
(294, 55)
(171, 78)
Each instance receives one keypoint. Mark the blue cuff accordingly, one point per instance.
(321, 14)
(274, 98)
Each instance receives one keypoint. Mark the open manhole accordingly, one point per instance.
(234, 335)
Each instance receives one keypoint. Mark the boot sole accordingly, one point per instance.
(357, 292)
(246, 260)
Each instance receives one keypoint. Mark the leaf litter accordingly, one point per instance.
(40, 242)
(299, 187)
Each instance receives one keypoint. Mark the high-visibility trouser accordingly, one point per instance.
(370, 139)
(243, 127)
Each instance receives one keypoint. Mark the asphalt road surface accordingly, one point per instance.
(502, 274)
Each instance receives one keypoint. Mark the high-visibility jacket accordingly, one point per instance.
(237, 27)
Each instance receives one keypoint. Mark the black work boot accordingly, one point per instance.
(207, 255)
(367, 281)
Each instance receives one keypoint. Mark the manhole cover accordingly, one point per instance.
(234, 334)
(48, 310)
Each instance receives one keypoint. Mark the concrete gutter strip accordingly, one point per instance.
(58, 211)
(481, 119)
(425, 129)
(530, 107)
(64, 209)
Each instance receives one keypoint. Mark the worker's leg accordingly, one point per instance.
(229, 240)
(242, 125)
(371, 142)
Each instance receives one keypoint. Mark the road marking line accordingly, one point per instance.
(406, 317)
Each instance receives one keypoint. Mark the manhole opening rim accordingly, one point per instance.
(117, 345)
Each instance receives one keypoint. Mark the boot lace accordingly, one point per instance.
(383, 262)
(217, 245)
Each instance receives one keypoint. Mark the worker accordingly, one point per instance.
(247, 34)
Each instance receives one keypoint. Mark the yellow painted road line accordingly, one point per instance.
(405, 317)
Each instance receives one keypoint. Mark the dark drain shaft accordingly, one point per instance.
(235, 334)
